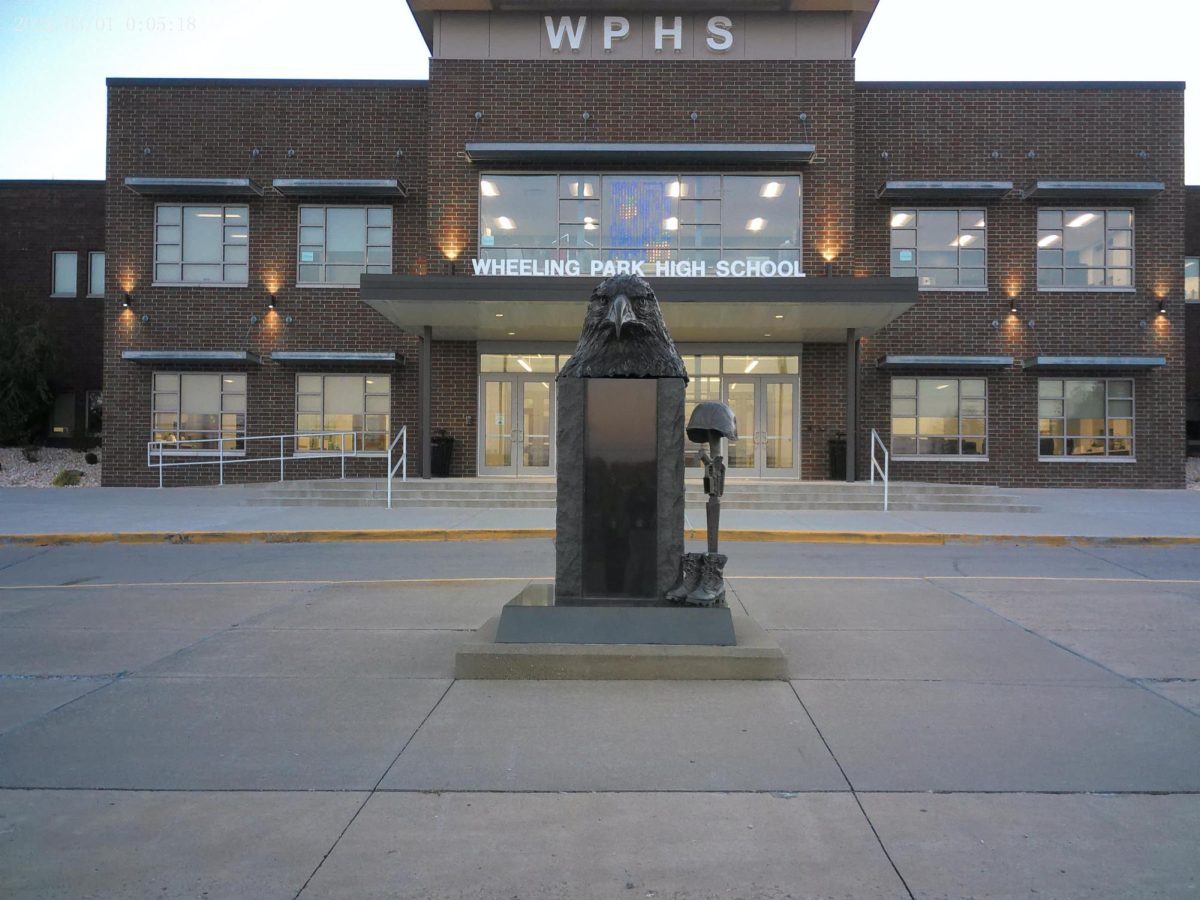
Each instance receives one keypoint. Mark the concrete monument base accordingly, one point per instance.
(755, 657)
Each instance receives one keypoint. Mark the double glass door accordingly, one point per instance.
(517, 424)
(765, 406)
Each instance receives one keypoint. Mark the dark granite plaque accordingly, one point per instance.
(620, 521)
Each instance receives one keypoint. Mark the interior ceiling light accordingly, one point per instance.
(488, 188)
(756, 224)
(1082, 219)
(771, 190)
(900, 219)
(1048, 240)
(751, 367)
(779, 316)
(504, 223)
(962, 240)
(524, 365)
(671, 223)
(980, 224)
(499, 315)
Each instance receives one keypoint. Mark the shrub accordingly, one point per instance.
(67, 478)
(91, 458)
(27, 361)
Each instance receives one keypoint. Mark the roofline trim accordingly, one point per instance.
(266, 82)
(1021, 85)
(31, 183)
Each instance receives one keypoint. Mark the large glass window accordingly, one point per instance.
(943, 248)
(200, 412)
(939, 417)
(96, 274)
(343, 403)
(339, 243)
(1085, 418)
(1085, 249)
(66, 274)
(651, 217)
(202, 245)
(63, 422)
(1191, 278)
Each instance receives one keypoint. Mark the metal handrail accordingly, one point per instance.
(875, 467)
(401, 463)
(163, 449)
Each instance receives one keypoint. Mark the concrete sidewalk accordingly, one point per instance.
(157, 513)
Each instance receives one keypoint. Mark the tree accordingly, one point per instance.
(27, 362)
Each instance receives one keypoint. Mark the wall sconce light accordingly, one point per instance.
(1012, 307)
(1162, 306)
(270, 301)
(126, 300)
(828, 269)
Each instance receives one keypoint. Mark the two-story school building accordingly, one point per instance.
(984, 278)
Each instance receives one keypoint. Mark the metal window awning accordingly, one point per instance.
(193, 187)
(1096, 363)
(622, 153)
(948, 190)
(244, 357)
(696, 310)
(339, 187)
(1081, 190)
(382, 357)
(944, 362)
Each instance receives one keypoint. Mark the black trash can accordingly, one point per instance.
(837, 457)
(439, 457)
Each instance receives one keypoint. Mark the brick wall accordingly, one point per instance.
(40, 217)
(1021, 135)
(208, 129)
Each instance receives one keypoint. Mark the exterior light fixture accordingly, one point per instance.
(1012, 307)
(1162, 306)
(125, 301)
(270, 301)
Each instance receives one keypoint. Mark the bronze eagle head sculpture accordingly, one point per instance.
(624, 335)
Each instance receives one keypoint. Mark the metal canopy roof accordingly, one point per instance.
(339, 187)
(197, 187)
(945, 362)
(192, 356)
(699, 310)
(570, 153)
(933, 190)
(1075, 190)
(387, 357)
(1120, 363)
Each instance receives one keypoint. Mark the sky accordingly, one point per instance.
(54, 56)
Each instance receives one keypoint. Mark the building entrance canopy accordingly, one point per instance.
(698, 310)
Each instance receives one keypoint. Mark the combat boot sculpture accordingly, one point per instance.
(689, 578)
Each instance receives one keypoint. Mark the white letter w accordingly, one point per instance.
(573, 31)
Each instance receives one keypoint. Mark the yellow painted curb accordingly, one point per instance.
(927, 538)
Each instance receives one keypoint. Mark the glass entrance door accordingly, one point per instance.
(765, 407)
(516, 425)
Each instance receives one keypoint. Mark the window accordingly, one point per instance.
(342, 403)
(66, 274)
(339, 243)
(96, 274)
(1191, 278)
(1085, 249)
(939, 417)
(200, 413)
(943, 248)
(95, 412)
(1085, 419)
(202, 245)
(62, 424)
(641, 217)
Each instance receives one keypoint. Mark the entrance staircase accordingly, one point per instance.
(539, 493)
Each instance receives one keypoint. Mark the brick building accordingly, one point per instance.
(988, 276)
(52, 265)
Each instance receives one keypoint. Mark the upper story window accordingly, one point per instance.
(1085, 249)
(66, 274)
(199, 412)
(1191, 278)
(939, 417)
(95, 274)
(1085, 419)
(201, 245)
(641, 217)
(943, 248)
(339, 243)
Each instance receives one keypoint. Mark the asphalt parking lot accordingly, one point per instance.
(282, 720)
